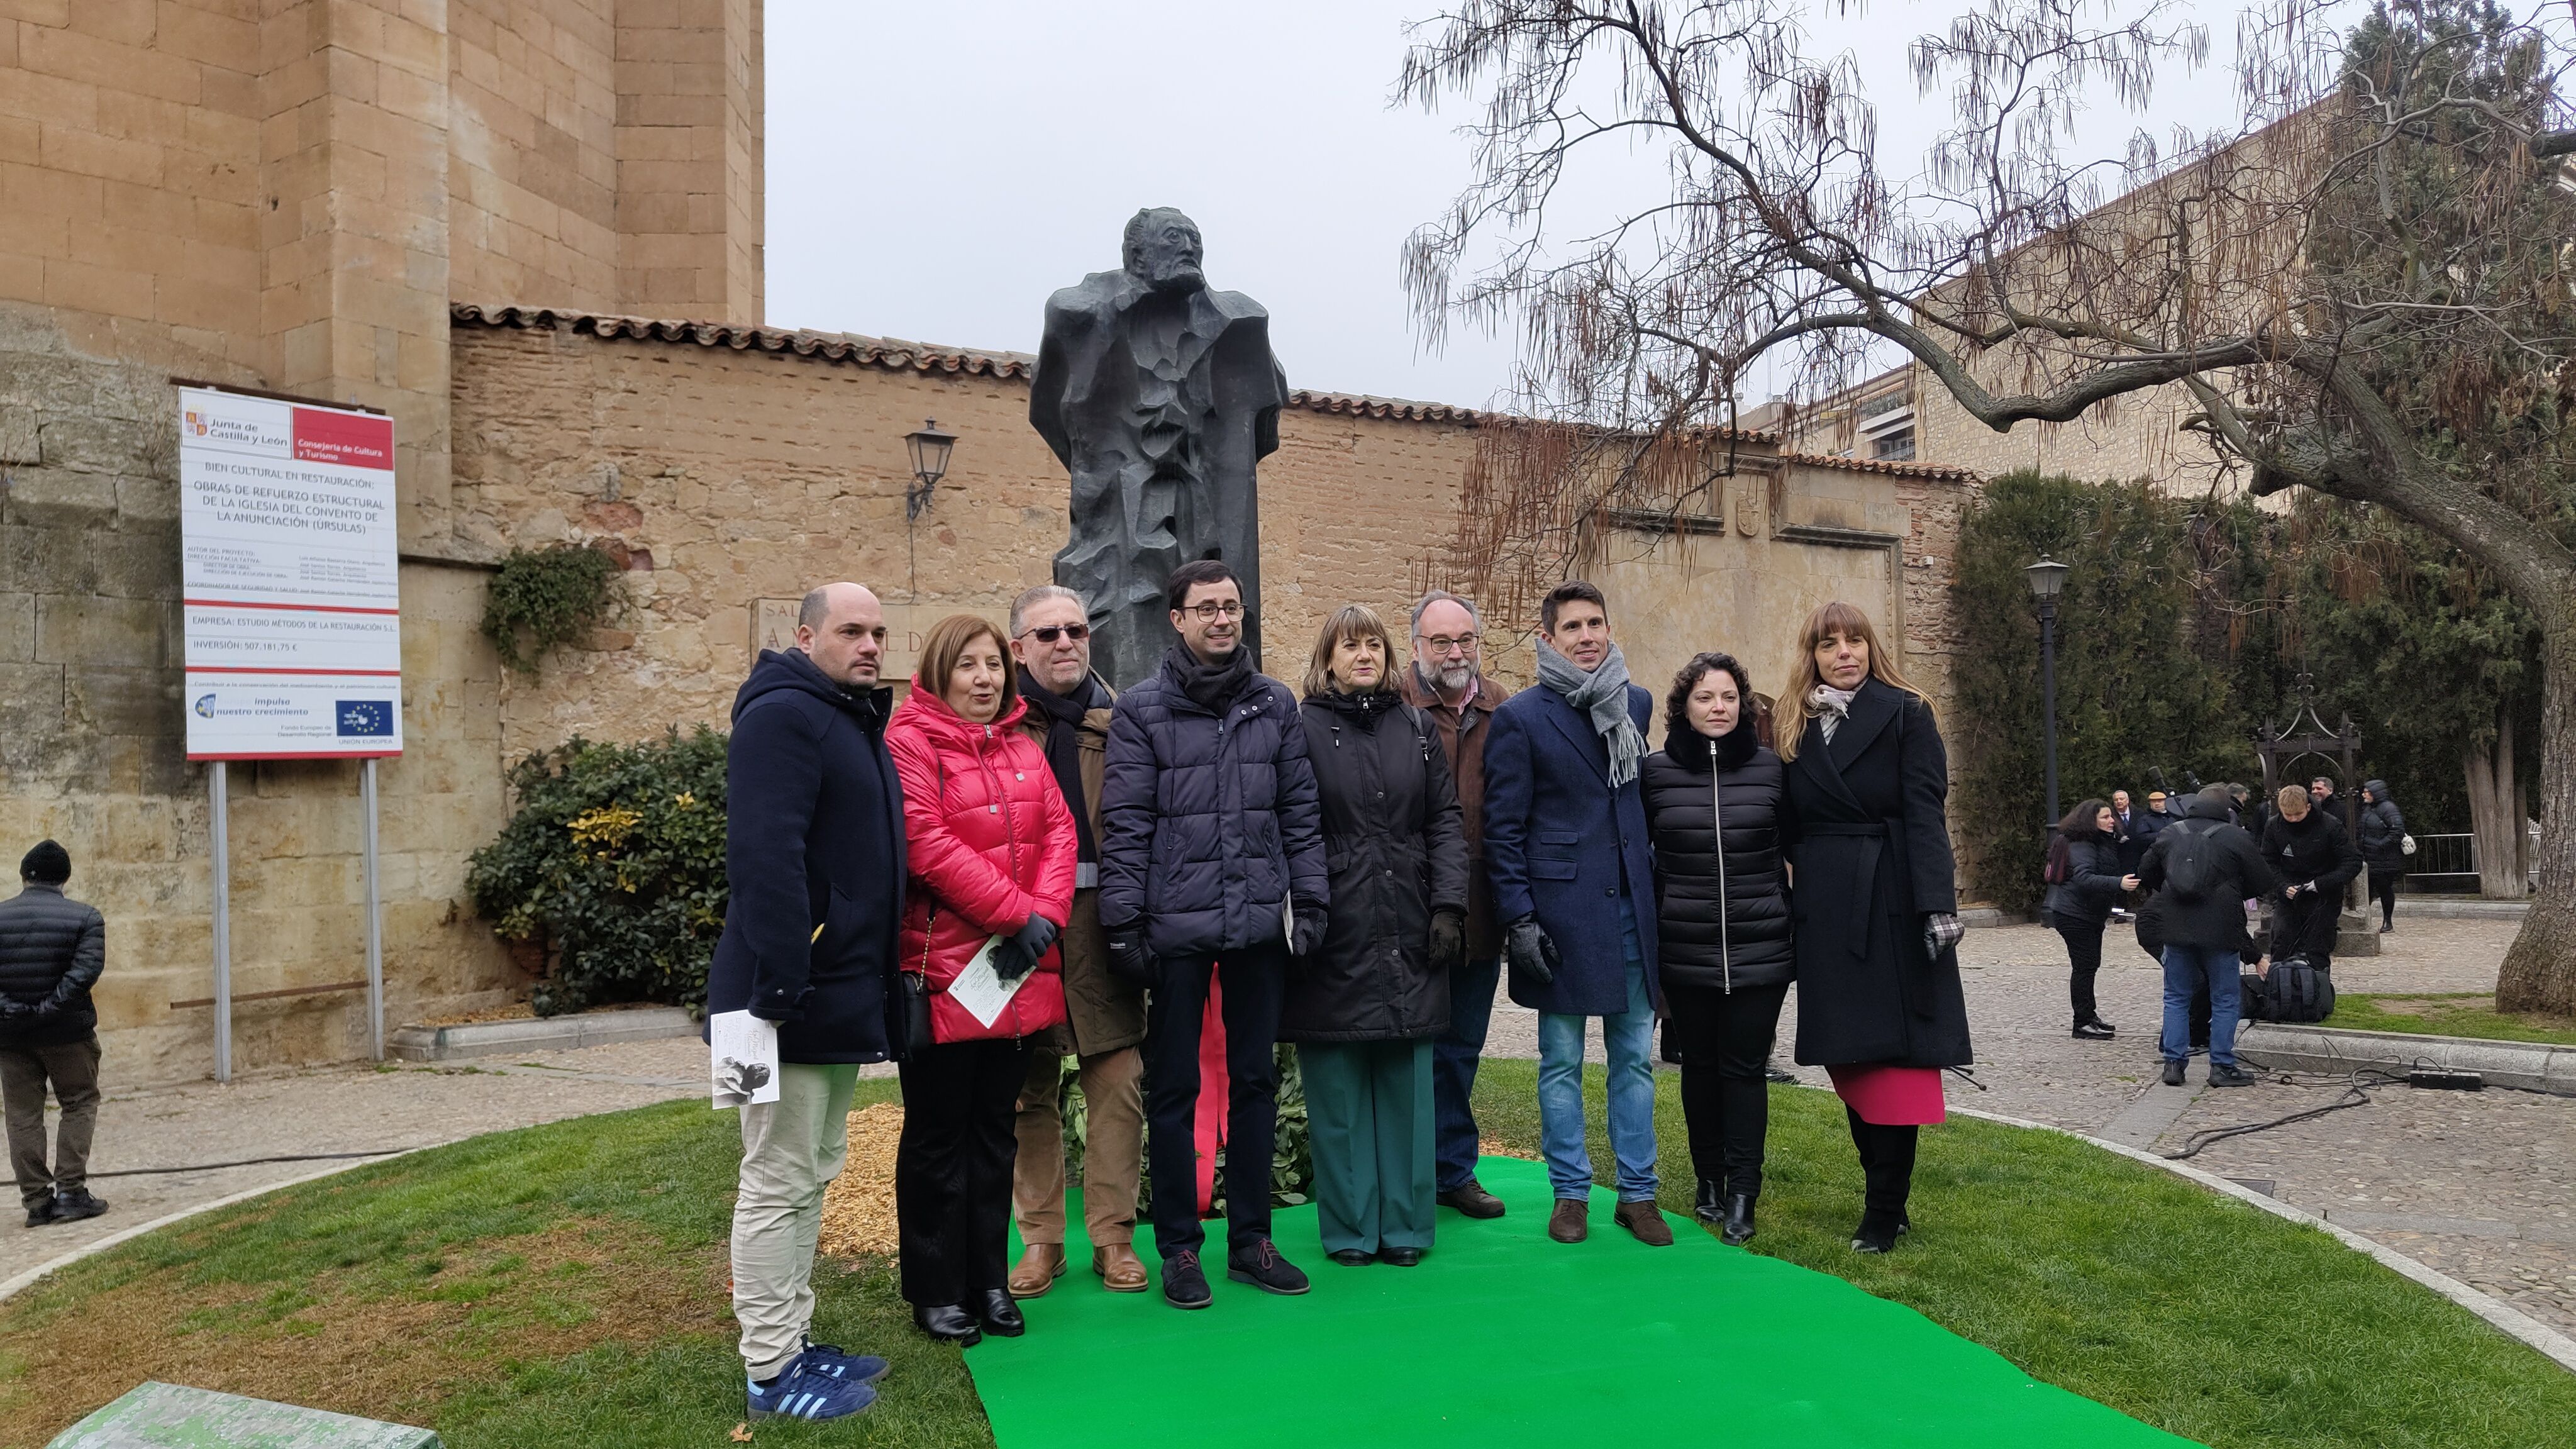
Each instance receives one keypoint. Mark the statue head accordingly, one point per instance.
(1162, 250)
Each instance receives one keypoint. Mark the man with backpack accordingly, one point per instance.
(2204, 870)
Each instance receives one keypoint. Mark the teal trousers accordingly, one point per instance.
(1368, 1110)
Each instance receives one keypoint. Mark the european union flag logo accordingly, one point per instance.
(366, 718)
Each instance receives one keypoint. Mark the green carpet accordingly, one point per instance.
(1502, 1338)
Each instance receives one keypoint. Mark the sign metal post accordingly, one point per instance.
(216, 792)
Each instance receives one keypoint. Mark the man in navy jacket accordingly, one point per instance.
(814, 860)
(1211, 850)
(1566, 846)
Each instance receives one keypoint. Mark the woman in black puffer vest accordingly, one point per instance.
(2085, 881)
(1713, 809)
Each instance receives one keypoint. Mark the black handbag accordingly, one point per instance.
(908, 1030)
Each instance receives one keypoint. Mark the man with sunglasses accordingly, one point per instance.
(1448, 683)
(1069, 712)
(1211, 850)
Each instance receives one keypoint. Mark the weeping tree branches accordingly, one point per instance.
(2364, 286)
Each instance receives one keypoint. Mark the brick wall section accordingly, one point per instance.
(532, 147)
(128, 185)
(689, 141)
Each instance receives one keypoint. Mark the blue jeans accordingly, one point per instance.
(1454, 1054)
(1629, 1037)
(2187, 969)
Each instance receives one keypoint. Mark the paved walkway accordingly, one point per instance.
(2481, 1186)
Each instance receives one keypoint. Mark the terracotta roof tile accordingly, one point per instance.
(1875, 465)
(891, 353)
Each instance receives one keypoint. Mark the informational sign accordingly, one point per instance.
(290, 585)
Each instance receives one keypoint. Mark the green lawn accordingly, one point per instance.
(564, 1287)
(2454, 1013)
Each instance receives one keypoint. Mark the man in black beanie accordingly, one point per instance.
(52, 949)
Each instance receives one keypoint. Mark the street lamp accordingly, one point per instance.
(2047, 580)
(930, 448)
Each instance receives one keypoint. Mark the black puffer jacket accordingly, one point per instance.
(1207, 816)
(1396, 846)
(2383, 833)
(1722, 919)
(51, 949)
(2313, 851)
(2092, 884)
(2235, 874)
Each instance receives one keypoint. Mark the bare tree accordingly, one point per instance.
(2371, 267)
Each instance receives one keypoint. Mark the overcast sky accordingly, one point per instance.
(934, 171)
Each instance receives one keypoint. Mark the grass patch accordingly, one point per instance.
(2196, 1313)
(566, 1286)
(2453, 1013)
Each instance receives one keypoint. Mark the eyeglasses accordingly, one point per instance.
(1210, 612)
(1441, 645)
(1049, 633)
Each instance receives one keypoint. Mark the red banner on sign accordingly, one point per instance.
(349, 439)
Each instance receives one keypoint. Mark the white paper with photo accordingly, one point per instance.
(982, 992)
(742, 1059)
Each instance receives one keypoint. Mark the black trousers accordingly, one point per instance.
(1254, 981)
(2383, 889)
(1886, 1165)
(2083, 963)
(1725, 1040)
(952, 1168)
(2305, 926)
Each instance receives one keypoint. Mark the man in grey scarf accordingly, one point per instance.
(1565, 846)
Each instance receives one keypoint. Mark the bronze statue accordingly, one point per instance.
(1159, 395)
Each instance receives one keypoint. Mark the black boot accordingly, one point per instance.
(1739, 1219)
(1890, 1179)
(1711, 1207)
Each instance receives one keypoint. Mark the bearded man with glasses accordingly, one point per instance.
(1069, 712)
(1447, 682)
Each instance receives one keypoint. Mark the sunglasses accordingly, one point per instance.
(1049, 633)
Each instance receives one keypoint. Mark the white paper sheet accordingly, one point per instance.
(742, 1059)
(980, 991)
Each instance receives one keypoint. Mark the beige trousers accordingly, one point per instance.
(1113, 1094)
(791, 1150)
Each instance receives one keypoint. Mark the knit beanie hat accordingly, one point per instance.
(48, 863)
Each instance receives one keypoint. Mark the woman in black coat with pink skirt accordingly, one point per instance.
(1873, 900)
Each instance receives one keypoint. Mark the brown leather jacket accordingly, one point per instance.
(1102, 1013)
(1469, 723)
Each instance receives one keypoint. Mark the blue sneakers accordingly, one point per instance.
(858, 1368)
(808, 1390)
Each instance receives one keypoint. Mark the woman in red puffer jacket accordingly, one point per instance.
(992, 853)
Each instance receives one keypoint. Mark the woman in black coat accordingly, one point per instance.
(2085, 882)
(1873, 899)
(1722, 912)
(1365, 1006)
(2383, 848)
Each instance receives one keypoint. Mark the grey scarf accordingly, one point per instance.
(1830, 705)
(1602, 695)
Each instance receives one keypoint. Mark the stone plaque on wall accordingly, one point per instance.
(773, 626)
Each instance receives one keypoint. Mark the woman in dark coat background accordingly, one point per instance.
(2085, 881)
(1873, 900)
(1365, 1007)
(1713, 800)
(2383, 848)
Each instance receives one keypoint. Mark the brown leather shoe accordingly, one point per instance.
(1567, 1222)
(1120, 1270)
(1645, 1223)
(1039, 1267)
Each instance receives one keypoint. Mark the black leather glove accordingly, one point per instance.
(1448, 940)
(1532, 954)
(46, 1009)
(1017, 955)
(11, 1008)
(1308, 937)
(1130, 959)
